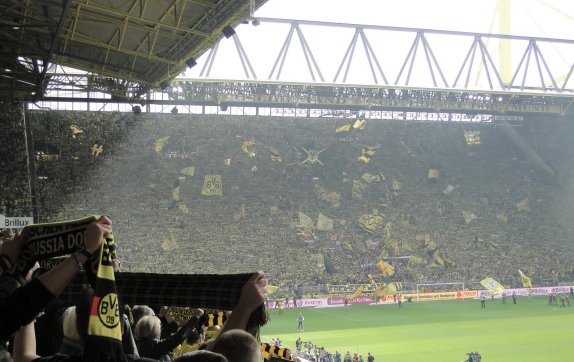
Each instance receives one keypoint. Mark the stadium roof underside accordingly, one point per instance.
(137, 43)
(131, 51)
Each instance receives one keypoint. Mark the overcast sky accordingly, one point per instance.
(550, 18)
(547, 19)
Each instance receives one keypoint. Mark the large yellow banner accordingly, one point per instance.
(492, 286)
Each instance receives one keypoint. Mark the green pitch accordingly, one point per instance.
(531, 330)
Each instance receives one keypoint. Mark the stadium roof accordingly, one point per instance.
(146, 42)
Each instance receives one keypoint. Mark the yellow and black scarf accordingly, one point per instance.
(44, 242)
(269, 350)
(104, 337)
(48, 243)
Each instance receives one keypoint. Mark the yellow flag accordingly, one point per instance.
(370, 178)
(169, 245)
(372, 147)
(357, 293)
(305, 221)
(212, 186)
(364, 159)
(75, 130)
(414, 260)
(324, 223)
(387, 269)
(245, 147)
(343, 128)
(371, 280)
(160, 143)
(360, 124)
(492, 286)
(271, 288)
(388, 289)
(526, 281)
(371, 222)
(190, 171)
(175, 193)
(366, 152)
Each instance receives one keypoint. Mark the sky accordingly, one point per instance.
(547, 19)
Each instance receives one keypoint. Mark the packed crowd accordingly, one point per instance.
(314, 353)
(490, 209)
(65, 333)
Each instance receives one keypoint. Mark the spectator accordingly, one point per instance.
(238, 346)
(21, 306)
(139, 311)
(201, 356)
(147, 334)
(5, 356)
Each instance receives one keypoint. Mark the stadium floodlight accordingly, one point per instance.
(228, 32)
(164, 85)
(191, 62)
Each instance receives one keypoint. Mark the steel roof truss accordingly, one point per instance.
(209, 61)
(282, 54)
(247, 68)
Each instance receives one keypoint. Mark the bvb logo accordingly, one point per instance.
(108, 310)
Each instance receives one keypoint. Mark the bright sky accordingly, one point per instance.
(547, 19)
(550, 18)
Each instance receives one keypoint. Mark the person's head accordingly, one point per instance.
(5, 356)
(201, 356)
(148, 328)
(238, 346)
(195, 337)
(139, 311)
(69, 327)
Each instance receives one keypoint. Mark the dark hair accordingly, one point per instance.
(201, 356)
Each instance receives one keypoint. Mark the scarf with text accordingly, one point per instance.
(47, 243)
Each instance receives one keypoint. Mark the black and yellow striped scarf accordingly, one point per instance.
(54, 240)
(104, 337)
(48, 242)
(269, 350)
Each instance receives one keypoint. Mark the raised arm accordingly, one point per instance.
(253, 294)
(60, 276)
(23, 305)
(25, 344)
